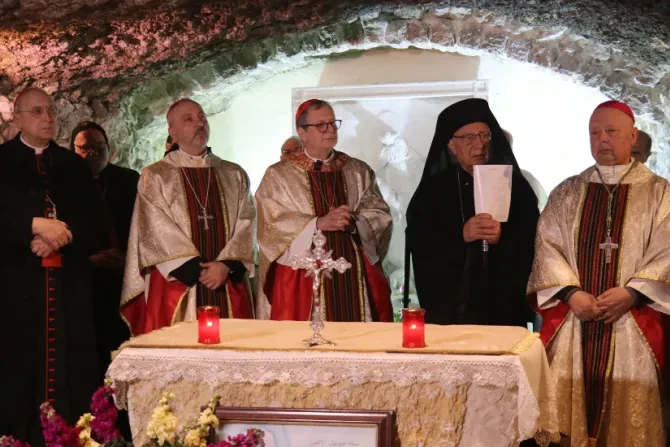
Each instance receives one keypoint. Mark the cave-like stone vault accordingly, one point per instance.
(122, 62)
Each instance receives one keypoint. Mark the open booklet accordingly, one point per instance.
(493, 190)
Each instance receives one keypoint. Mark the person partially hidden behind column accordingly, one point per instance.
(191, 238)
(456, 282)
(314, 188)
(601, 282)
(50, 215)
(117, 187)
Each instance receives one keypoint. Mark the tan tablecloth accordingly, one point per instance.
(471, 384)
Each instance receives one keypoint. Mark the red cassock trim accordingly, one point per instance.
(240, 300)
(652, 323)
(290, 292)
(145, 315)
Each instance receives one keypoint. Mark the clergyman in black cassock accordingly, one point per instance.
(117, 187)
(456, 281)
(49, 215)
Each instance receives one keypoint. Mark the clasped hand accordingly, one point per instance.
(213, 274)
(608, 307)
(482, 227)
(337, 219)
(53, 234)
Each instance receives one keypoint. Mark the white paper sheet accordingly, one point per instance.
(493, 190)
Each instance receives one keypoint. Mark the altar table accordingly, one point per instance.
(471, 385)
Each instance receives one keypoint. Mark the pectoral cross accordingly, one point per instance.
(316, 263)
(205, 218)
(608, 246)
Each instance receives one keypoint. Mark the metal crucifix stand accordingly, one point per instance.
(317, 262)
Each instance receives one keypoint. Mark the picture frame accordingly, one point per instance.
(284, 427)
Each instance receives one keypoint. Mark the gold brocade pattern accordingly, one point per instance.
(633, 411)
(285, 208)
(633, 416)
(161, 227)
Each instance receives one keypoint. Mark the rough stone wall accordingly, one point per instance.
(123, 64)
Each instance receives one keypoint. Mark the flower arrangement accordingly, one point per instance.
(98, 428)
(8, 441)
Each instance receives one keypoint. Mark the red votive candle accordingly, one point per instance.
(413, 328)
(208, 325)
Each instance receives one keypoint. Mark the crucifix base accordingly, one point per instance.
(317, 340)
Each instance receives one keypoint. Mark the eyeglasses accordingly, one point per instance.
(39, 111)
(471, 137)
(323, 127)
(92, 148)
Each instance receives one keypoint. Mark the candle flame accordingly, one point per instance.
(209, 323)
(413, 325)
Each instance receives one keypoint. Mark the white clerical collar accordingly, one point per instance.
(612, 174)
(194, 157)
(325, 161)
(38, 150)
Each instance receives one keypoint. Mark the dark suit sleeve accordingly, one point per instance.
(237, 270)
(87, 224)
(188, 272)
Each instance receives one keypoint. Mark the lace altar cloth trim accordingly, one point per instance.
(311, 369)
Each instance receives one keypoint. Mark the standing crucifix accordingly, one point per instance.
(315, 263)
(205, 218)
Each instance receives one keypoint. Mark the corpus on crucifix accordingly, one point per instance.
(316, 263)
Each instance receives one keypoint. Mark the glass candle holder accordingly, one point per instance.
(413, 328)
(208, 325)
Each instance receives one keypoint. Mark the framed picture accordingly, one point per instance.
(309, 428)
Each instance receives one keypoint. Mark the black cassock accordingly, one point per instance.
(456, 282)
(118, 188)
(47, 340)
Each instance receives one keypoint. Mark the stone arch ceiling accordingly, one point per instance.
(122, 62)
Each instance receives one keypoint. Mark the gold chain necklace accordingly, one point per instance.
(608, 246)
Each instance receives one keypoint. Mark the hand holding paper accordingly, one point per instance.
(482, 227)
(493, 190)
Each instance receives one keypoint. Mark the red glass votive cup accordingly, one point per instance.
(208, 325)
(413, 328)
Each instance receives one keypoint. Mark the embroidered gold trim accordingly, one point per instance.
(525, 343)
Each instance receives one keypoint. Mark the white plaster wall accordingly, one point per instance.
(546, 113)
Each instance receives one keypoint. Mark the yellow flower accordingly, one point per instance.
(163, 424)
(85, 420)
(194, 439)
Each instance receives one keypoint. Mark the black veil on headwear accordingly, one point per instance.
(457, 115)
(440, 159)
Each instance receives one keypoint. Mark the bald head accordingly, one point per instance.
(188, 126)
(27, 96)
(642, 147)
(612, 136)
(177, 105)
(35, 116)
(292, 144)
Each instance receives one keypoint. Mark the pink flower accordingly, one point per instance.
(55, 430)
(9, 441)
(253, 438)
(103, 426)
